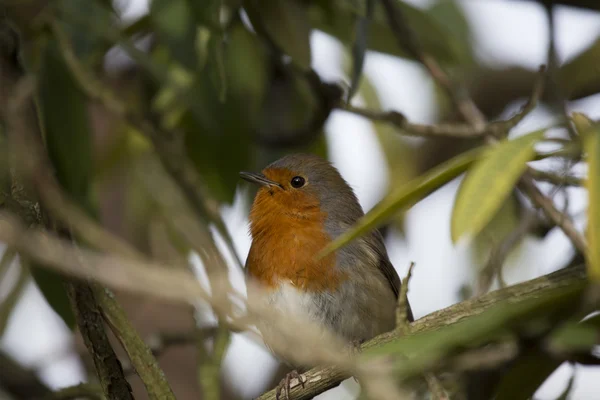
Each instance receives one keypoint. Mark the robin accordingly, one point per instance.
(303, 203)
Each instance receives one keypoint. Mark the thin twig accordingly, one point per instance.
(463, 131)
(556, 179)
(477, 120)
(402, 322)
(407, 40)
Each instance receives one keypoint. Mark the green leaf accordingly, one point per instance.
(527, 374)
(489, 182)
(579, 76)
(590, 132)
(218, 141)
(573, 336)
(449, 14)
(66, 125)
(173, 23)
(68, 139)
(359, 47)
(406, 196)
(336, 17)
(285, 23)
(51, 286)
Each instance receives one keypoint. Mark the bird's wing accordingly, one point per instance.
(388, 270)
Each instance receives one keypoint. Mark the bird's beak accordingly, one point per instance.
(259, 179)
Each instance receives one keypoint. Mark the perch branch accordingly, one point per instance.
(321, 379)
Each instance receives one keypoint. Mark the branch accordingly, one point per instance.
(91, 325)
(408, 40)
(138, 352)
(319, 380)
(463, 131)
(22, 122)
(555, 179)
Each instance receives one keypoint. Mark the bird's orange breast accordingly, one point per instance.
(285, 242)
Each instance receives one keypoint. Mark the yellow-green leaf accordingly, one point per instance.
(406, 196)
(286, 23)
(489, 182)
(590, 132)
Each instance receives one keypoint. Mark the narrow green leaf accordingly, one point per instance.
(579, 76)
(359, 47)
(489, 182)
(450, 15)
(174, 26)
(209, 138)
(286, 23)
(68, 137)
(406, 196)
(66, 125)
(524, 378)
(575, 337)
(52, 287)
(590, 132)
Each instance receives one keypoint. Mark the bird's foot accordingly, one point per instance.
(355, 346)
(355, 349)
(284, 385)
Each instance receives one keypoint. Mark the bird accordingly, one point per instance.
(302, 204)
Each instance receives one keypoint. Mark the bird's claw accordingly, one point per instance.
(284, 385)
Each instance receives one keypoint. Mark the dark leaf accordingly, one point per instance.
(66, 126)
(286, 24)
(337, 17)
(173, 23)
(51, 286)
(359, 47)
(523, 379)
(218, 140)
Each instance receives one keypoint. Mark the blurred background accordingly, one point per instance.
(494, 46)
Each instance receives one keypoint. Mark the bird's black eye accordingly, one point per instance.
(298, 182)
